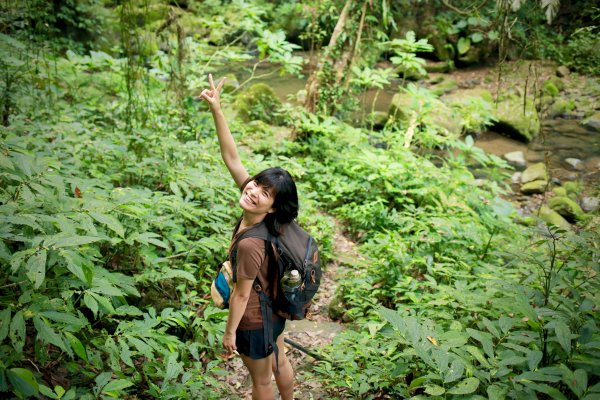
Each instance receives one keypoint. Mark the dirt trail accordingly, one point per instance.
(314, 332)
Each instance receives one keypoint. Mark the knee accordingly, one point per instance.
(262, 381)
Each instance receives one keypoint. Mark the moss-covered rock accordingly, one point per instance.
(551, 217)
(559, 191)
(403, 105)
(526, 220)
(535, 172)
(550, 89)
(573, 189)
(258, 102)
(567, 208)
(446, 86)
(439, 66)
(534, 187)
(593, 122)
(561, 107)
(516, 121)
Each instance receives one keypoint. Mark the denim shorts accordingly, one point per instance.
(251, 343)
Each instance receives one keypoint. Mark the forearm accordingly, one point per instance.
(227, 145)
(237, 307)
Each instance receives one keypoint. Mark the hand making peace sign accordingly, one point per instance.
(212, 95)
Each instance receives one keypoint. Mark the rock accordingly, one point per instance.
(516, 122)
(526, 221)
(378, 119)
(551, 217)
(258, 102)
(439, 66)
(534, 187)
(550, 89)
(589, 204)
(575, 163)
(516, 177)
(566, 207)
(403, 105)
(535, 172)
(563, 71)
(572, 188)
(593, 122)
(561, 108)
(446, 86)
(516, 158)
(559, 191)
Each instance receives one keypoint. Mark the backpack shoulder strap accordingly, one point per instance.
(259, 231)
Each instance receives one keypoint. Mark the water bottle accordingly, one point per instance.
(290, 283)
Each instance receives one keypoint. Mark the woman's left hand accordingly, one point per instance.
(229, 342)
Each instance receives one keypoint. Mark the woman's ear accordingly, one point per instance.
(271, 210)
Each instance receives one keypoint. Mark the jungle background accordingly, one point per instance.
(447, 155)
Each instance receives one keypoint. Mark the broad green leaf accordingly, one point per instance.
(107, 290)
(17, 331)
(111, 222)
(476, 37)
(4, 323)
(533, 359)
(455, 372)
(23, 382)
(77, 346)
(77, 265)
(47, 335)
(490, 327)
(512, 360)
(65, 318)
(173, 368)
(46, 391)
(476, 352)
(539, 376)
(129, 310)
(176, 273)
(563, 335)
(467, 386)
(485, 339)
(36, 268)
(125, 353)
(546, 389)
(91, 303)
(116, 386)
(70, 241)
(434, 390)
(463, 45)
(496, 392)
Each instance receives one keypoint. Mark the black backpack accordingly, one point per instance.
(293, 249)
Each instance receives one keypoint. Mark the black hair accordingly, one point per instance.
(285, 201)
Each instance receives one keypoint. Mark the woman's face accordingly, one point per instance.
(257, 199)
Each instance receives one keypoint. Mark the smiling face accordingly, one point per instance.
(256, 199)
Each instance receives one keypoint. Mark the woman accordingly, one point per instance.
(271, 197)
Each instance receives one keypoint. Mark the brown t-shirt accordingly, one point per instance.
(252, 263)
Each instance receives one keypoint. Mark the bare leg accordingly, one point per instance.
(285, 377)
(260, 371)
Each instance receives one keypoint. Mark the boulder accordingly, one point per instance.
(574, 163)
(403, 105)
(516, 121)
(562, 71)
(446, 86)
(535, 172)
(516, 158)
(258, 102)
(534, 187)
(551, 217)
(559, 191)
(572, 188)
(590, 203)
(561, 107)
(593, 122)
(439, 66)
(516, 177)
(566, 207)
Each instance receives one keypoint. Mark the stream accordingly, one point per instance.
(560, 138)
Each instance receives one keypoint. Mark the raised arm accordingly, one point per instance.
(229, 151)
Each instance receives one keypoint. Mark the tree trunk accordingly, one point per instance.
(312, 84)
